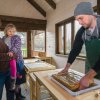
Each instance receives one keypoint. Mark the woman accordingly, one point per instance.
(5, 71)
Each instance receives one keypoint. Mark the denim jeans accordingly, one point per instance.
(5, 80)
(21, 70)
(20, 66)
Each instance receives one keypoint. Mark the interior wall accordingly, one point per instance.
(64, 10)
(19, 8)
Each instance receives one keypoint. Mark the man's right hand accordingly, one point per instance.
(65, 70)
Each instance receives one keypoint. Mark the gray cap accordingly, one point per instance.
(83, 8)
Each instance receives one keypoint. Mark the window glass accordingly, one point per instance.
(77, 27)
(38, 43)
(68, 37)
(23, 36)
(61, 39)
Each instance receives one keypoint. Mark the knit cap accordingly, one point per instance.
(84, 8)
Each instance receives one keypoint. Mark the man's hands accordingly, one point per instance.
(87, 79)
(65, 70)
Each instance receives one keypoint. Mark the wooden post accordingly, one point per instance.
(98, 7)
(28, 44)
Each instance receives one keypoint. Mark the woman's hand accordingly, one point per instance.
(10, 54)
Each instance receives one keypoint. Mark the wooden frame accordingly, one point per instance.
(23, 23)
(98, 7)
(69, 20)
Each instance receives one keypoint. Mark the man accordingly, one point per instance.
(89, 34)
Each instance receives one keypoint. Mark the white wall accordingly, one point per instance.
(19, 8)
(64, 10)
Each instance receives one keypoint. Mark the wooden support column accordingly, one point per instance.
(28, 44)
(98, 7)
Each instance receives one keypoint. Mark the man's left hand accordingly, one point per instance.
(87, 79)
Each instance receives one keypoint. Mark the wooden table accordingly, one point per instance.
(31, 60)
(38, 66)
(46, 59)
(56, 91)
(35, 67)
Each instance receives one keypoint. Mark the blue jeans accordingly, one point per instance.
(5, 80)
(21, 71)
(20, 66)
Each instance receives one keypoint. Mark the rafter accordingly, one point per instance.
(23, 23)
(51, 3)
(34, 4)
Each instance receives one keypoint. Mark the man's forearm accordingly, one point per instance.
(67, 65)
(91, 74)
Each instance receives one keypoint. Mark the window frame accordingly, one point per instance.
(63, 23)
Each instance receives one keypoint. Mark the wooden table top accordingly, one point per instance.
(31, 60)
(39, 66)
(58, 92)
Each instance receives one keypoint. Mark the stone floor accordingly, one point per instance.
(25, 92)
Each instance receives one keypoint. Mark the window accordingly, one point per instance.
(68, 37)
(61, 39)
(38, 40)
(66, 32)
(1, 34)
(77, 27)
(23, 36)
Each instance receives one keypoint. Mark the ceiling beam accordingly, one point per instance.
(51, 3)
(23, 23)
(34, 4)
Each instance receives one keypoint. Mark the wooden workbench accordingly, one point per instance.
(56, 91)
(35, 67)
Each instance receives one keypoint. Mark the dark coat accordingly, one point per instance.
(4, 58)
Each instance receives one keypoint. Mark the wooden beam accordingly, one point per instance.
(98, 7)
(34, 4)
(51, 3)
(23, 23)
